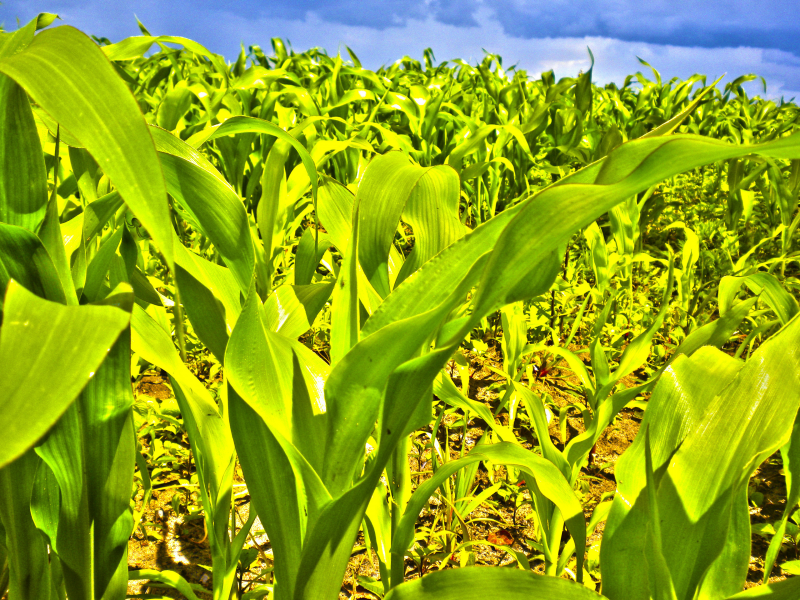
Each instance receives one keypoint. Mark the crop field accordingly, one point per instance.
(290, 328)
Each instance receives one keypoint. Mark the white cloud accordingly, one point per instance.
(614, 59)
(223, 30)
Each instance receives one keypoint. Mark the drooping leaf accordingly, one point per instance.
(71, 79)
(713, 420)
(476, 583)
(35, 336)
(24, 259)
(210, 200)
(545, 476)
(23, 186)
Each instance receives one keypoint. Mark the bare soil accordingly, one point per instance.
(497, 529)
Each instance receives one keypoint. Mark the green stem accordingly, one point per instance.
(177, 316)
(554, 542)
(399, 475)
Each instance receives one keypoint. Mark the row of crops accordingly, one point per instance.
(316, 259)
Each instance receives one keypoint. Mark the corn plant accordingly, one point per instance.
(243, 205)
(682, 501)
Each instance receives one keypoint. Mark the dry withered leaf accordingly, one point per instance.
(502, 537)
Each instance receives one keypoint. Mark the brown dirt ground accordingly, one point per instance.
(180, 545)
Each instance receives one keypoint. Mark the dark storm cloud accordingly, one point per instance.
(678, 37)
(705, 23)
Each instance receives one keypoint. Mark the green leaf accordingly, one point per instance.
(24, 259)
(16, 41)
(210, 295)
(309, 252)
(291, 309)
(175, 104)
(355, 389)
(210, 201)
(278, 424)
(521, 254)
(427, 198)
(345, 310)
(536, 409)
(546, 478)
(252, 125)
(713, 420)
(98, 269)
(274, 208)
(91, 453)
(658, 575)
(23, 185)
(143, 289)
(769, 289)
(670, 126)
(790, 454)
(153, 344)
(35, 337)
(85, 169)
(335, 206)
(716, 333)
(599, 255)
(254, 349)
(135, 46)
(98, 213)
(209, 436)
(53, 240)
(29, 576)
(445, 390)
(170, 578)
(636, 353)
(477, 583)
(788, 589)
(70, 78)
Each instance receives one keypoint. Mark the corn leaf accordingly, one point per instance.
(23, 187)
(277, 414)
(153, 344)
(91, 454)
(766, 286)
(545, 476)
(291, 309)
(209, 435)
(426, 198)
(70, 78)
(245, 124)
(45, 385)
(210, 294)
(713, 420)
(210, 201)
(24, 259)
(788, 589)
(29, 564)
(476, 583)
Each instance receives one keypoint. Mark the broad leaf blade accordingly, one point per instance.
(211, 202)
(23, 185)
(478, 583)
(35, 337)
(70, 78)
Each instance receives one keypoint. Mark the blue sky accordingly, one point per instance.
(678, 37)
